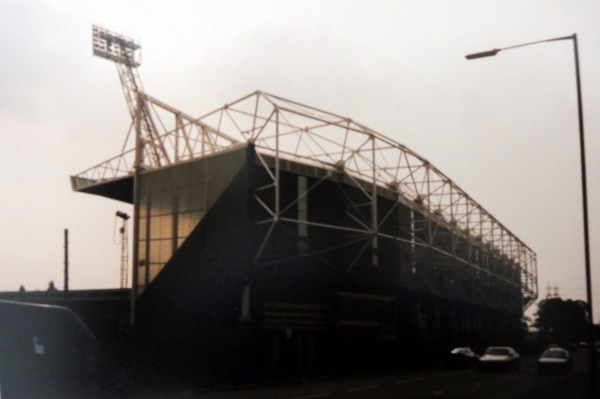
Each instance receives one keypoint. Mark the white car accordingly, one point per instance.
(555, 360)
(499, 358)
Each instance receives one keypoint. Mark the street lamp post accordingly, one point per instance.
(588, 280)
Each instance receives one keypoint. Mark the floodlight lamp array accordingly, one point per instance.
(115, 47)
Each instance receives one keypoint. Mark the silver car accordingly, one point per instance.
(555, 360)
(499, 358)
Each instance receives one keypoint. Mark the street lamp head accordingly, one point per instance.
(495, 51)
(122, 215)
(483, 54)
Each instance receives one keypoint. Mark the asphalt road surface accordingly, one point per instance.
(426, 383)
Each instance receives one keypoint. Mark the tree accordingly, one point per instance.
(560, 321)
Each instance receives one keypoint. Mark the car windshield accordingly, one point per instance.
(555, 354)
(497, 351)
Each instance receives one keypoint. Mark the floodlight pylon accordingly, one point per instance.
(125, 52)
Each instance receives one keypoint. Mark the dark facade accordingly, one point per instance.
(217, 275)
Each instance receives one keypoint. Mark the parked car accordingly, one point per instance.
(499, 358)
(555, 360)
(462, 357)
(47, 352)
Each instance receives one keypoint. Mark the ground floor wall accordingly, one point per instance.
(411, 330)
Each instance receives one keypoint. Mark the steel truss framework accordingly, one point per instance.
(282, 130)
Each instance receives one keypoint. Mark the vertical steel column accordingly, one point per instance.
(66, 289)
(429, 220)
(277, 176)
(454, 239)
(374, 227)
(136, 206)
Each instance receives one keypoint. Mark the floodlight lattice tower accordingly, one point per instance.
(124, 248)
(126, 54)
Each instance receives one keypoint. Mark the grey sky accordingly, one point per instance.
(503, 128)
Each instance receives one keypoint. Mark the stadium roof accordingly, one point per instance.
(285, 129)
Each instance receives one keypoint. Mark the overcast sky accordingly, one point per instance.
(505, 129)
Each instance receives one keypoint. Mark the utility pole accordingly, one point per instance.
(66, 265)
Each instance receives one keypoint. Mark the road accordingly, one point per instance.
(431, 383)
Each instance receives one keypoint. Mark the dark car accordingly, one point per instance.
(47, 352)
(499, 358)
(555, 360)
(462, 357)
